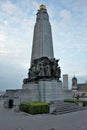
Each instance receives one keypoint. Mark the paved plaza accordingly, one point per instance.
(11, 120)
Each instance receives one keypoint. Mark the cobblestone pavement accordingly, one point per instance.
(11, 120)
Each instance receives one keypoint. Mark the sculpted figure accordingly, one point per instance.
(58, 72)
(41, 73)
(54, 66)
(37, 68)
(33, 68)
(48, 70)
(43, 67)
(25, 81)
(31, 74)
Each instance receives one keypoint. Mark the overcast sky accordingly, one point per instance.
(68, 20)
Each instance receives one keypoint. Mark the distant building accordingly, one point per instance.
(82, 89)
(65, 81)
(81, 86)
(74, 83)
(67, 94)
(78, 89)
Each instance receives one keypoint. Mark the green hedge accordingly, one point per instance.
(24, 107)
(71, 100)
(34, 107)
(75, 101)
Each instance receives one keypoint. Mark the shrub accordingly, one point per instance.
(24, 107)
(34, 107)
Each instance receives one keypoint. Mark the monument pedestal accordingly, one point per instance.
(47, 90)
(50, 90)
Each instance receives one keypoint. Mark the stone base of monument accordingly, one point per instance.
(47, 90)
(20, 95)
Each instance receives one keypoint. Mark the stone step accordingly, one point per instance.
(68, 111)
(67, 105)
(62, 108)
(64, 103)
(65, 109)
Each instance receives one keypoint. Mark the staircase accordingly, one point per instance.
(63, 107)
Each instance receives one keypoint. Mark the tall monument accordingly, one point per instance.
(44, 72)
(42, 39)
